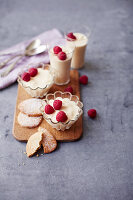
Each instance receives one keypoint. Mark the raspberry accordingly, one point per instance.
(61, 116)
(57, 104)
(69, 89)
(62, 55)
(83, 79)
(71, 36)
(49, 109)
(25, 76)
(92, 113)
(33, 72)
(57, 49)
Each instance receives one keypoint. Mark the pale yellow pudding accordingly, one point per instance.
(61, 68)
(71, 106)
(79, 52)
(39, 85)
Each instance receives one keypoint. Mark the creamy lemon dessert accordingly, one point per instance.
(69, 107)
(42, 78)
(36, 83)
(79, 42)
(60, 60)
(61, 110)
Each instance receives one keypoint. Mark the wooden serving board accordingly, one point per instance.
(74, 133)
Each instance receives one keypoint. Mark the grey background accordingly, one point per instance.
(99, 166)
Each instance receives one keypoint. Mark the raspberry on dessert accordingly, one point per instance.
(83, 79)
(25, 76)
(69, 89)
(92, 113)
(49, 109)
(71, 36)
(57, 49)
(61, 116)
(33, 72)
(62, 55)
(57, 104)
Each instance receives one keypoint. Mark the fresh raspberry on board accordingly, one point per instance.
(49, 109)
(25, 76)
(57, 104)
(57, 49)
(71, 36)
(33, 71)
(61, 116)
(83, 79)
(62, 55)
(69, 89)
(92, 113)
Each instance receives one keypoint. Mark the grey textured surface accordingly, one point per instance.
(100, 165)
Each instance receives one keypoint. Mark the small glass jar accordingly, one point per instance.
(63, 95)
(39, 90)
(61, 68)
(80, 45)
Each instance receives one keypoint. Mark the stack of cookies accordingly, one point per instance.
(30, 116)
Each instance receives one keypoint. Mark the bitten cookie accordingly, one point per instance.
(34, 143)
(31, 107)
(49, 143)
(29, 122)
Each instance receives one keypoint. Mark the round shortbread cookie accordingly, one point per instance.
(29, 122)
(34, 143)
(31, 107)
(49, 143)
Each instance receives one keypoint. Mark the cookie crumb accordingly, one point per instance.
(25, 152)
(37, 155)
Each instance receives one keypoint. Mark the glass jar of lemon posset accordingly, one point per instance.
(79, 42)
(60, 63)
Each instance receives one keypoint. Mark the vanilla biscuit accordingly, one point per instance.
(31, 107)
(49, 143)
(34, 143)
(29, 122)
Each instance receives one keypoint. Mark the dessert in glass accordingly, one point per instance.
(61, 110)
(79, 41)
(36, 81)
(60, 63)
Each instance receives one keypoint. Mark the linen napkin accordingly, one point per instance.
(49, 37)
